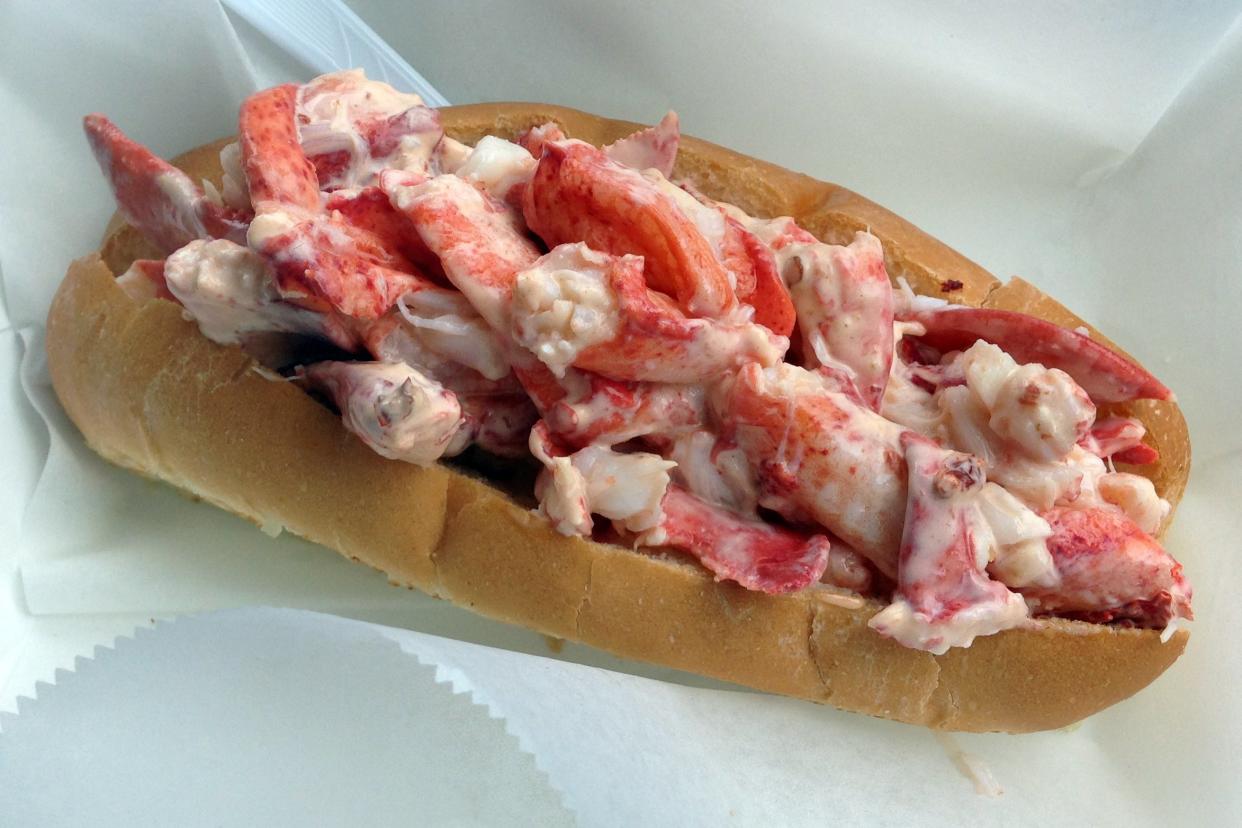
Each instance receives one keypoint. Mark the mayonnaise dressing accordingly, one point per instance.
(228, 290)
(497, 165)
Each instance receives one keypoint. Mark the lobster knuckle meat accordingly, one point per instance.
(944, 595)
(594, 311)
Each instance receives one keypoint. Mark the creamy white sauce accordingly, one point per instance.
(1136, 496)
(449, 326)
(497, 165)
(229, 292)
(719, 475)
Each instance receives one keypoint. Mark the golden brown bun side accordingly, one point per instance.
(151, 394)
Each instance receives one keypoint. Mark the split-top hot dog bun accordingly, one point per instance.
(150, 393)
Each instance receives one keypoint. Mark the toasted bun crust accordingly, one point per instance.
(151, 394)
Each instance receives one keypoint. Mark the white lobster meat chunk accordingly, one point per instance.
(448, 325)
(1021, 554)
(1136, 496)
(229, 292)
(944, 596)
(715, 471)
(352, 128)
(845, 310)
(576, 306)
(1041, 412)
(625, 488)
(497, 165)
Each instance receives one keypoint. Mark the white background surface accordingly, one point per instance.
(1090, 148)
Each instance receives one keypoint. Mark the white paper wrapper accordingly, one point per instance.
(1095, 155)
(263, 717)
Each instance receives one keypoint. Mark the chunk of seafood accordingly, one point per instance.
(1121, 439)
(497, 166)
(755, 554)
(278, 174)
(815, 452)
(369, 209)
(1111, 570)
(1104, 374)
(944, 597)
(586, 408)
(230, 293)
(323, 262)
(594, 311)
(845, 310)
(474, 236)
(393, 408)
(579, 195)
(626, 488)
(651, 148)
(157, 199)
(351, 128)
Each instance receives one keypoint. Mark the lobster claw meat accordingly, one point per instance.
(323, 262)
(278, 173)
(320, 260)
(1110, 570)
(393, 408)
(578, 194)
(474, 236)
(1104, 374)
(817, 453)
(159, 200)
